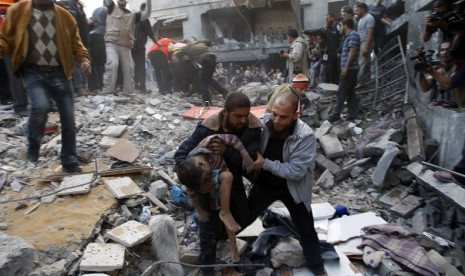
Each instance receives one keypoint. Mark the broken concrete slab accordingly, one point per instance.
(115, 131)
(347, 227)
(158, 188)
(406, 206)
(328, 89)
(443, 266)
(124, 150)
(452, 192)
(331, 146)
(122, 187)
(415, 146)
(326, 180)
(107, 142)
(130, 233)
(323, 129)
(17, 256)
(384, 163)
(321, 228)
(102, 257)
(287, 252)
(350, 248)
(393, 197)
(324, 163)
(322, 210)
(381, 143)
(75, 184)
(253, 230)
(343, 267)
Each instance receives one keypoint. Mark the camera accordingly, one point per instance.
(424, 60)
(455, 22)
(435, 16)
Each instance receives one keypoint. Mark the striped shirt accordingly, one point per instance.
(351, 41)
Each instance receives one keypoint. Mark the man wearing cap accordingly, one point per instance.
(298, 86)
(296, 56)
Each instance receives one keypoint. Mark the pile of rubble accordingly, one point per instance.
(55, 224)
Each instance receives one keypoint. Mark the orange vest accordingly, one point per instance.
(163, 44)
(4, 4)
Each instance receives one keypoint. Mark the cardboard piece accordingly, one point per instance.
(347, 227)
(124, 150)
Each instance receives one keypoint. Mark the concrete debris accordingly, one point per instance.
(17, 256)
(383, 186)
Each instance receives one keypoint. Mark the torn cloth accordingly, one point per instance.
(399, 242)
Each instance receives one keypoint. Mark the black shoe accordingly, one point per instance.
(333, 119)
(33, 153)
(318, 270)
(71, 168)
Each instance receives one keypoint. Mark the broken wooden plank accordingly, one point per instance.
(32, 208)
(166, 177)
(156, 201)
(111, 172)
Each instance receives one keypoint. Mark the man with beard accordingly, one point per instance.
(286, 159)
(44, 43)
(236, 119)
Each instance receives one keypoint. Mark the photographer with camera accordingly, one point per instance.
(435, 21)
(447, 78)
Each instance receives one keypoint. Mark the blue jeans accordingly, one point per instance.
(41, 86)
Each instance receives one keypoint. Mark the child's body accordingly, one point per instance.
(206, 172)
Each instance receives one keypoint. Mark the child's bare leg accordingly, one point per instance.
(233, 245)
(225, 194)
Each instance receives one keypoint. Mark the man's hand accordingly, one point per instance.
(217, 146)
(259, 163)
(344, 72)
(365, 52)
(86, 68)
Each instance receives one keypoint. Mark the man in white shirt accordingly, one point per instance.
(365, 29)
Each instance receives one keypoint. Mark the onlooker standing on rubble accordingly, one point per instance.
(449, 93)
(52, 47)
(97, 47)
(333, 40)
(349, 69)
(366, 28)
(159, 55)
(346, 13)
(286, 161)
(143, 30)
(379, 12)
(297, 61)
(236, 119)
(119, 38)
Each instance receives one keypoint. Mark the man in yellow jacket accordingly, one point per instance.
(43, 41)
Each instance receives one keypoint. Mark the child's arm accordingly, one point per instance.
(233, 141)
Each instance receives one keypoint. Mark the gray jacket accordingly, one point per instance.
(299, 155)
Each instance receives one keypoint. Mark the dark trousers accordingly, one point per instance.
(333, 71)
(162, 71)
(345, 92)
(17, 90)
(98, 54)
(185, 74)
(262, 196)
(206, 76)
(138, 55)
(5, 94)
(212, 231)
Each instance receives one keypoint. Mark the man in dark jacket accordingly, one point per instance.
(234, 119)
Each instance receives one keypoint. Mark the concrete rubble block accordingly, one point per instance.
(322, 210)
(154, 102)
(75, 184)
(342, 132)
(407, 206)
(324, 163)
(224, 252)
(16, 255)
(159, 189)
(454, 193)
(384, 164)
(107, 142)
(415, 146)
(124, 150)
(355, 163)
(326, 180)
(190, 257)
(323, 129)
(150, 111)
(356, 171)
(388, 266)
(114, 131)
(287, 252)
(122, 187)
(381, 143)
(331, 146)
(130, 233)
(394, 196)
(328, 89)
(102, 257)
(57, 268)
(443, 266)
(419, 221)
